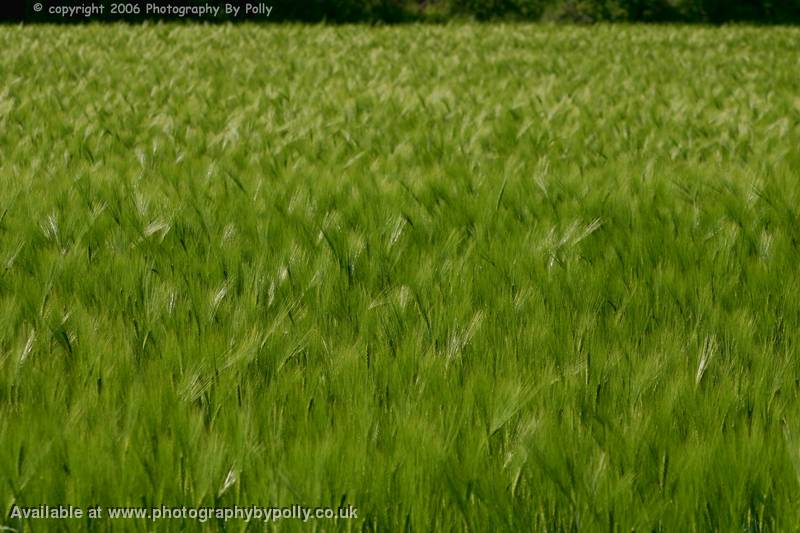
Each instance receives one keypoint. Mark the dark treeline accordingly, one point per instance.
(390, 11)
(703, 11)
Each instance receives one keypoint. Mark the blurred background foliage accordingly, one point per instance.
(586, 11)
(707, 11)
(575, 11)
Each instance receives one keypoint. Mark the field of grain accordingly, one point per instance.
(500, 277)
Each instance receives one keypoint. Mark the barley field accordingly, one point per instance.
(461, 277)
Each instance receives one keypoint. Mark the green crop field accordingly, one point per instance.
(459, 277)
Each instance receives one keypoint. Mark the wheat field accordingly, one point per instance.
(461, 277)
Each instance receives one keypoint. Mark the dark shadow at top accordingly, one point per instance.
(401, 11)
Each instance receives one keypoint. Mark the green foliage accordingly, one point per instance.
(465, 277)
(345, 10)
(586, 11)
(581, 11)
(715, 11)
(490, 9)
